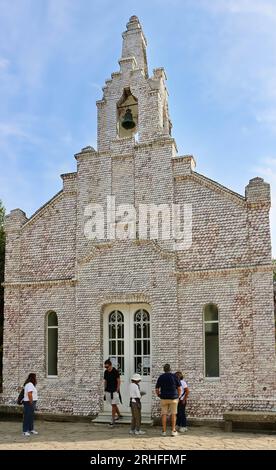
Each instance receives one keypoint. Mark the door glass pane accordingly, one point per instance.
(138, 365)
(121, 365)
(120, 329)
(146, 365)
(146, 330)
(137, 348)
(138, 332)
(116, 339)
(112, 348)
(120, 348)
(142, 342)
(146, 347)
(112, 331)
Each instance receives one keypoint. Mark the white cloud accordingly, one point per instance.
(31, 35)
(261, 7)
(96, 86)
(267, 117)
(21, 127)
(4, 63)
(241, 66)
(9, 129)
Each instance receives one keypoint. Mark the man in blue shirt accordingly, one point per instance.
(168, 388)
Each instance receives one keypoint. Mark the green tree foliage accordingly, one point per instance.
(274, 270)
(2, 262)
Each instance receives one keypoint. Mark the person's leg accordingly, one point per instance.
(109, 401)
(164, 413)
(178, 416)
(27, 417)
(138, 417)
(118, 411)
(135, 414)
(164, 423)
(133, 419)
(173, 408)
(113, 412)
(182, 417)
(173, 422)
(31, 422)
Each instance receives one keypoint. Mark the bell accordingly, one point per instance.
(127, 122)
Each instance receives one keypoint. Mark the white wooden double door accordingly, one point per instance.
(127, 342)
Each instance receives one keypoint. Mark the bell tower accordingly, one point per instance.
(133, 161)
(133, 105)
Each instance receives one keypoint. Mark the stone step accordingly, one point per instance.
(105, 418)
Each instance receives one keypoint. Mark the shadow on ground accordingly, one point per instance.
(91, 436)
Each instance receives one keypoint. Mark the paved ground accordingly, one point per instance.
(101, 436)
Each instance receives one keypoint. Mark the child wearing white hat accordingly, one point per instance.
(135, 404)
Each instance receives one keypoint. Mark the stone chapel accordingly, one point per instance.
(77, 294)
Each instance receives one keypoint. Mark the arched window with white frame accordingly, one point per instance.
(211, 340)
(52, 344)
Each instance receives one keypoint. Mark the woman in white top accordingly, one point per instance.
(30, 399)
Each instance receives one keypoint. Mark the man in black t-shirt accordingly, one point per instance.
(112, 389)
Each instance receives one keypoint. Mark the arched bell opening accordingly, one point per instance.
(127, 114)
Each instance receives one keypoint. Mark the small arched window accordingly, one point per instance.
(52, 344)
(211, 336)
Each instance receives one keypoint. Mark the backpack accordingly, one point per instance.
(20, 397)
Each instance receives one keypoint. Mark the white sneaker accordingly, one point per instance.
(174, 433)
(33, 432)
(163, 433)
(26, 433)
(139, 432)
(131, 432)
(183, 429)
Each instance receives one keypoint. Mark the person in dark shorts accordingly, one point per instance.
(112, 389)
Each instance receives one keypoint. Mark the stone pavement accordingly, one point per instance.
(88, 436)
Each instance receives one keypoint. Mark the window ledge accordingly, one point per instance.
(212, 379)
(51, 376)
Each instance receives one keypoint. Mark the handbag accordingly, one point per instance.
(20, 398)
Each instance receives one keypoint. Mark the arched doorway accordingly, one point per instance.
(127, 342)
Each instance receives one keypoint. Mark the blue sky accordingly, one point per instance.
(220, 60)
